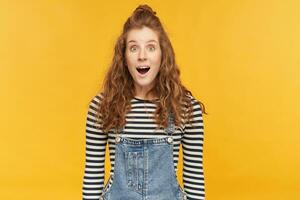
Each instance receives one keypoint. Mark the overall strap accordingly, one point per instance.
(118, 131)
(171, 124)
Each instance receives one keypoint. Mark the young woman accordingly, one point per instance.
(144, 113)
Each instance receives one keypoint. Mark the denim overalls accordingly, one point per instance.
(144, 169)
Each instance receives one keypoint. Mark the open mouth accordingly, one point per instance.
(143, 69)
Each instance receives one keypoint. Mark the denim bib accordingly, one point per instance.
(144, 169)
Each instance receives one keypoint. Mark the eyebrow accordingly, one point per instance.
(146, 42)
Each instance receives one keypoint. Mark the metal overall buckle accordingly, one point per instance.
(118, 137)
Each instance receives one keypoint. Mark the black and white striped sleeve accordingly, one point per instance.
(96, 140)
(192, 146)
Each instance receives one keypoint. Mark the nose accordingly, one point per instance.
(142, 54)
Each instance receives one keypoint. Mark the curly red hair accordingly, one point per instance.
(118, 86)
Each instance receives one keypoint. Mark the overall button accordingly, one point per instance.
(118, 139)
(169, 140)
(101, 198)
(129, 183)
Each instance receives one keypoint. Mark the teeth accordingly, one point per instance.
(143, 67)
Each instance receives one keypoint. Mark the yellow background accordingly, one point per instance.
(240, 58)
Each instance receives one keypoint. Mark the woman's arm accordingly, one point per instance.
(93, 180)
(192, 146)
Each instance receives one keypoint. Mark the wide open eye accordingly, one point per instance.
(133, 48)
(151, 48)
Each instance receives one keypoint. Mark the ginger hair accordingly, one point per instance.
(118, 85)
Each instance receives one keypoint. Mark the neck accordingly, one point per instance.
(141, 93)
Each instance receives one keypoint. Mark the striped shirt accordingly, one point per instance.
(140, 123)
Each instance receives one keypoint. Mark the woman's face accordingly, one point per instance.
(143, 57)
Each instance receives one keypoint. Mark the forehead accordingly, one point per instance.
(142, 35)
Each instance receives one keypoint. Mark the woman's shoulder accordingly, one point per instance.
(191, 98)
(99, 96)
(96, 100)
(196, 104)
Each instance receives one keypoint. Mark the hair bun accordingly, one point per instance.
(145, 8)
